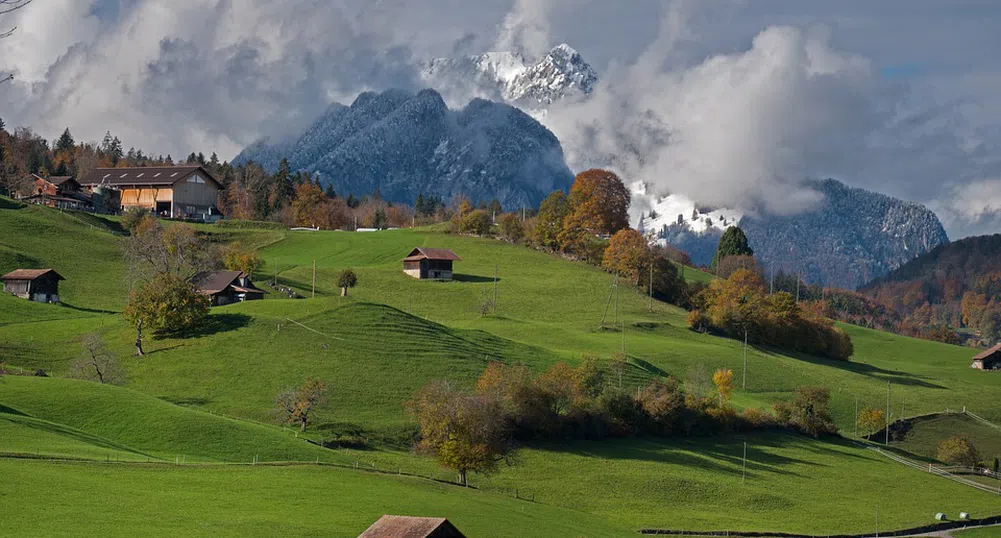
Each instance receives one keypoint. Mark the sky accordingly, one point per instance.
(731, 102)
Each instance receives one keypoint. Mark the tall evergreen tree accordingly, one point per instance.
(733, 243)
(284, 186)
(419, 205)
(330, 191)
(65, 142)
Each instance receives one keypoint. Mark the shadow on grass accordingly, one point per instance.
(89, 310)
(192, 401)
(648, 367)
(458, 277)
(215, 324)
(722, 454)
(894, 376)
(7, 203)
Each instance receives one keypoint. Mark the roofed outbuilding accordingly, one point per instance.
(430, 263)
(411, 527)
(225, 287)
(988, 360)
(39, 285)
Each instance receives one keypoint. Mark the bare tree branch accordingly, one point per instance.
(6, 6)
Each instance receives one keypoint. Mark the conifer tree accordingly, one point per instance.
(733, 243)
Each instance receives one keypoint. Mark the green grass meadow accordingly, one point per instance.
(206, 401)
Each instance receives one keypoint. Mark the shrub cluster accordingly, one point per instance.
(740, 307)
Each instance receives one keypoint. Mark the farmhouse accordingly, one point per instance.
(225, 287)
(168, 191)
(988, 360)
(430, 263)
(39, 285)
(62, 192)
(411, 527)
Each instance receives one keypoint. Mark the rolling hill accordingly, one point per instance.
(208, 398)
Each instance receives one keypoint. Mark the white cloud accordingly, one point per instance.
(729, 100)
(741, 129)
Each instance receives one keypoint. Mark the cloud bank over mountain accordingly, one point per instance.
(730, 102)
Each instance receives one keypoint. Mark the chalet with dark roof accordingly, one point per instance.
(411, 527)
(62, 192)
(39, 285)
(988, 360)
(430, 263)
(188, 192)
(225, 287)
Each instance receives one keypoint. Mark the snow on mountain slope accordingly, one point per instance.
(677, 210)
(509, 77)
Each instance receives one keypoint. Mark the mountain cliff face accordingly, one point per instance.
(852, 237)
(404, 145)
(509, 77)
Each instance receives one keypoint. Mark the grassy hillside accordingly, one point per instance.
(393, 334)
(110, 500)
(129, 420)
(927, 432)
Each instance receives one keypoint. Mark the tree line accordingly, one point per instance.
(477, 430)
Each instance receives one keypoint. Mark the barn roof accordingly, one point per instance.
(30, 274)
(421, 253)
(411, 527)
(212, 282)
(150, 176)
(986, 354)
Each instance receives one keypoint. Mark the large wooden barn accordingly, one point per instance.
(39, 285)
(988, 360)
(169, 191)
(430, 263)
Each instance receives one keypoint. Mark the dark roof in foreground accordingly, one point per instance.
(149, 176)
(984, 354)
(411, 527)
(57, 180)
(211, 282)
(30, 274)
(421, 253)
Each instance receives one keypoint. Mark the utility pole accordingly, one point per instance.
(314, 279)
(877, 521)
(887, 442)
(276, 270)
(651, 286)
(743, 475)
(743, 383)
(623, 335)
(616, 284)
(856, 416)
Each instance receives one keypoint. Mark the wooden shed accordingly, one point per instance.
(39, 285)
(411, 527)
(430, 263)
(988, 360)
(225, 287)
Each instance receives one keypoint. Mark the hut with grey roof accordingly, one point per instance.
(411, 527)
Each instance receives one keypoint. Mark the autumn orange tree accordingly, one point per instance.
(465, 432)
(627, 254)
(599, 202)
(723, 380)
(237, 257)
(296, 406)
(870, 419)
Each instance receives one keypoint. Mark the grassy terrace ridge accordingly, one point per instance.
(393, 334)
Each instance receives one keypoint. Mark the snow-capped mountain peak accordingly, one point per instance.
(678, 211)
(508, 76)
